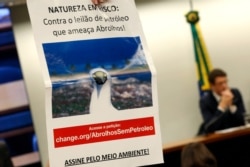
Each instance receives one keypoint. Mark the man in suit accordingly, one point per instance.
(221, 107)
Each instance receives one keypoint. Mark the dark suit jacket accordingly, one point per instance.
(214, 119)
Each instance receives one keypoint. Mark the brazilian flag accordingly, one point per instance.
(201, 55)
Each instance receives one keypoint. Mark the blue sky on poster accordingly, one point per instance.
(81, 56)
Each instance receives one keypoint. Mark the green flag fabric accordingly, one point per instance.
(201, 55)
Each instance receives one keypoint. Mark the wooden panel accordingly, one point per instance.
(5, 26)
(13, 2)
(26, 159)
(210, 138)
(13, 96)
(16, 132)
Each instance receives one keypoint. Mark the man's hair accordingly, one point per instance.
(216, 73)
(197, 155)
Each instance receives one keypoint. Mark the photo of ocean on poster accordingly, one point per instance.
(122, 61)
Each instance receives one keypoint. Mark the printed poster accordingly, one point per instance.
(100, 83)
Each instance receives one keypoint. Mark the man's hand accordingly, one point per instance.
(96, 2)
(226, 99)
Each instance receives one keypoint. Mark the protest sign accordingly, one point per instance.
(100, 83)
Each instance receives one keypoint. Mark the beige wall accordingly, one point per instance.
(225, 25)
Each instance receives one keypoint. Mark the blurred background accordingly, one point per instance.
(225, 26)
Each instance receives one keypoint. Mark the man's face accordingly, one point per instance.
(220, 85)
